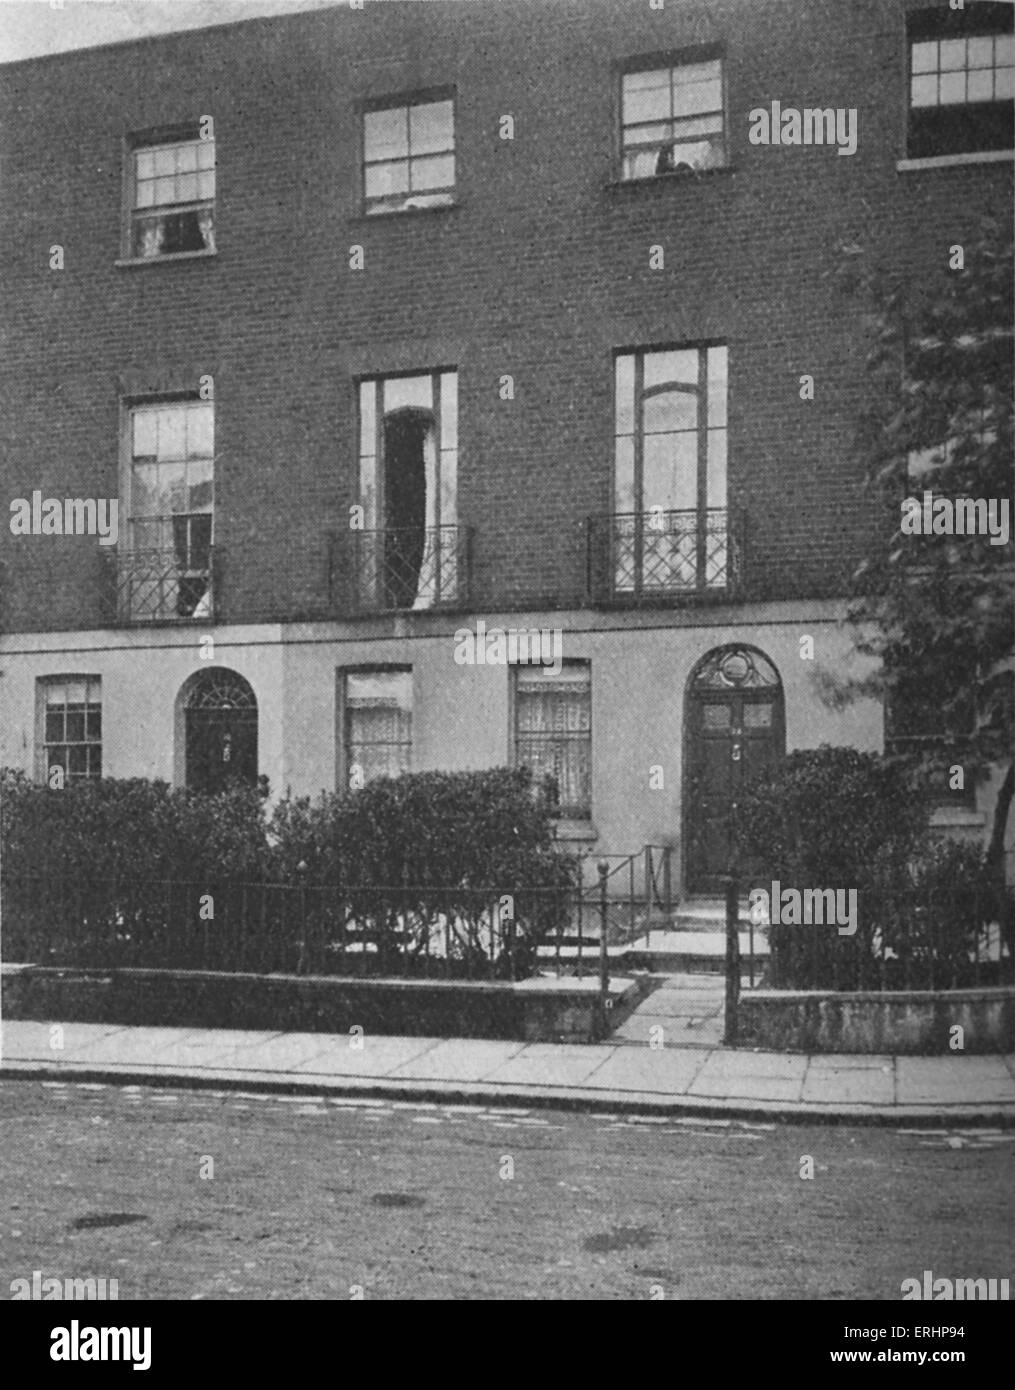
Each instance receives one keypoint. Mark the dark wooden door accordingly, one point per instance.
(732, 736)
(221, 748)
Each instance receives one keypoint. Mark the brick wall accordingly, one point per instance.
(541, 272)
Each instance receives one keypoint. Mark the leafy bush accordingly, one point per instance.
(840, 819)
(412, 865)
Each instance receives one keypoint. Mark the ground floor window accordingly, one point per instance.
(220, 726)
(71, 716)
(376, 725)
(553, 732)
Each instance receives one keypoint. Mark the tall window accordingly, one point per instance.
(673, 118)
(411, 553)
(553, 731)
(172, 198)
(961, 79)
(670, 523)
(409, 156)
(71, 714)
(171, 510)
(377, 720)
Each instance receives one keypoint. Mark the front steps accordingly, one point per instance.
(690, 941)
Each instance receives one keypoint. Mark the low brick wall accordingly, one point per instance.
(906, 1021)
(531, 1011)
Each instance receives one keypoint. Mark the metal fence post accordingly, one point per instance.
(603, 869)
(301, 870)
(732, 960)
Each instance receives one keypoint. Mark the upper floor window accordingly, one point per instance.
(669, 531)
(171, 491)
(377, 724)
(961, 79)
(172, 198)
(71, 715)
(409, 156)
(673, 119)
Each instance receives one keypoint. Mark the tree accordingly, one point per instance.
(937, 610)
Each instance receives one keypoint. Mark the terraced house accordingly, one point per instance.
(378, 324)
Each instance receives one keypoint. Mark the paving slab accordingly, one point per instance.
(545, 1064)
(764, 1076)
(31, 1039)
(377, 1057)
(459, 1059)
(156, 1045)
(846, 1085)
(953, 1079)
(653, 1070)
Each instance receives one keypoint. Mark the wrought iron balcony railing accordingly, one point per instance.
(658, 556)
(412, 569)
(153, 586)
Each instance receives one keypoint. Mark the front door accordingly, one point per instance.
(734, 729)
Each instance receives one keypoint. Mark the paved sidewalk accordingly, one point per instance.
(617, 1076)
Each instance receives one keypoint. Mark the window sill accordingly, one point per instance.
(165, 260)
(955, 161)
(955, 816)
(677, 177)
(568, 829)
(394, 213)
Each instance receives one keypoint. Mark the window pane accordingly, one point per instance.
(386, 134)
(186, 188)
(700, 96)
(165, 160)
(449, 410)
(54, 726)
(432, 173)
(76, 725)
(624, 394)
(1004, 86)
(94, 725)
(144, 434)
(716, 469)
(670, 410)
(145, 197)
(670, 466)
(953, 54)
(201, 431)
(664, 367)
(165, 191)
(1004, 50)
(200, 485)
(385, 179)
(924, 57)
(647, 135)
(144, 163)
(172, 432)
(980, 85)
(401, 391)
(624, 475)
(980, 53)
(206, 154)
(646, 100)
(431, 127)
(923, 91)
(952, 88)
(717, 386)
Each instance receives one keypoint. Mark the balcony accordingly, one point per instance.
(167, 574)
(661, 557)
(411, 569)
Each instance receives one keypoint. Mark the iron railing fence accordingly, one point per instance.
(660, 556)
(402, 569)
(227, 925)
(897, 939)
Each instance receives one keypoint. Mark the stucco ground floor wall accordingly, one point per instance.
(641, 665)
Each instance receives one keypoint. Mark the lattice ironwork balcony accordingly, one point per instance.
(405, 569)
(160, 586)
(661, 556)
